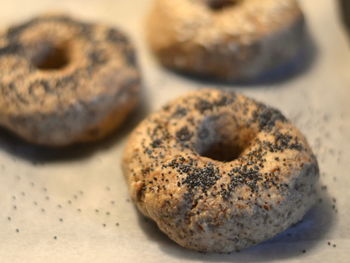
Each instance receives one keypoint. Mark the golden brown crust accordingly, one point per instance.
(218, 171)
(241, 41)
(65, 81)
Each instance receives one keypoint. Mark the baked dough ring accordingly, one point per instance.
(226, 39)
(64, 81)
(219, 172)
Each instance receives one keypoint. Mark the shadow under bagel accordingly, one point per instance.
(296, 67)
(300, 238)
(15, 145)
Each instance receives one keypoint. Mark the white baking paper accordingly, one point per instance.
(73, 206)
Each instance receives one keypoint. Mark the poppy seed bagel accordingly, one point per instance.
(64, 81)
(219, 172)
(227, 40)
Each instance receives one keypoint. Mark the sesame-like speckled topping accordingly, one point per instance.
(207, 160)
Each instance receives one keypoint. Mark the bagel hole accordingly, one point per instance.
(50, 57)
(218, 5)
(220, 138)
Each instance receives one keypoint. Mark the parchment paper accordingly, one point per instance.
(72, 205)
